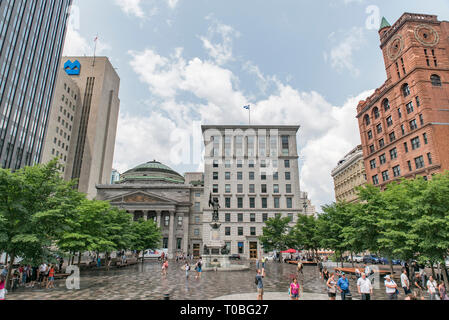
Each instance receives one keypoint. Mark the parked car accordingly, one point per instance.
(357, 259)
(384, 261)
(234, 257)
(269, 257)
(370, 259)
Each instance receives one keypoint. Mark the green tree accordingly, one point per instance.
(147, 235)
(276, 234)
(305, 234)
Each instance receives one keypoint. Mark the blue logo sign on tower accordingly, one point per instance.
(72, 68)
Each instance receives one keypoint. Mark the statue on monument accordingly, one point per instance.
(216, 206)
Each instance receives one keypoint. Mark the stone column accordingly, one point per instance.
(186, 233)
(171, 235)
(159, 219)
(145, 215)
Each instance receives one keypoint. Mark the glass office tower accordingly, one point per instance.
(31, 41)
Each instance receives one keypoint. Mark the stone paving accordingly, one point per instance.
(145, 282)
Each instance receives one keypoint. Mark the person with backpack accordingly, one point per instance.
(259, 283)
(199, 268)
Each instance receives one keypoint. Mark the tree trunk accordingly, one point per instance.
(8, 276)
(391, 266)
(79, 259)
(433, 270)
(446, 280)
(6, 259)
(352, 259)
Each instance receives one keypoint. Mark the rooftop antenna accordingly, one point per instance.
(95, 49)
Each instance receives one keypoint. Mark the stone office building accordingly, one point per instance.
(155, 191)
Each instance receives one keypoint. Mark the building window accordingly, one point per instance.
(240, 188)
(385, 176)
(402, 129)
(389, 121)
(371, 149)
(425, 138)
(264, 203)
(227, 164)
(196, 232)
(240, 231)
(285, 146)
(379, 128)
(239, 164)
(367, 120)
(240, 203)
(165, 243)
(287, 163)
(251, 164)
(197, 220)
(409, 107)
(197, 206)
(263, 188)
(418, 102)
(251, 176)
(179, 244)
(253, 231)
(277, 203)
(252, 203)
(289, 203)
(239, 175)
(215, 175)
(265, 217)
(413, 125)
(397, 171)
(215, 188)
(240, 217)
(252, 188)
(381, 143)
(375, 180)
(383, 159)
(405, 147)
(275, 188)
(394, 154)
(263, 176)
(386, 105)
(373, 164)
(228, 188)
(276, 176)
(370, 135)
(166, 221)
(416, 144)
(287, 176)
(227, 217)
(409, 166)
(227, 231)
(376, 113)
(405, 90)
(215, 165)
(429, 157)
(253, 217)
(399, 113)
(436, 80)
(392, 137)
(421, 119)
(419, 162)
(227, 203)
(227, 176)
(288, 188)
(241, 247)
(180, 221)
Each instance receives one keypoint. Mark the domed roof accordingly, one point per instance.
(153, 171)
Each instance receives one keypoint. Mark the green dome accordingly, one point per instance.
(152, 171)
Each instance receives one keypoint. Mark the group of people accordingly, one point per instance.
(198, 267)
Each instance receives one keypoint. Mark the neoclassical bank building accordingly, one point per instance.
(155, 191)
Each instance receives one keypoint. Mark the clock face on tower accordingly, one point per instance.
(395, 47)
(426, 35)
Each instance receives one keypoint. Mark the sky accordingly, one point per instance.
(186, 63)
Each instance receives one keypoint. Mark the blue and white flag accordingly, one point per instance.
(247, 107)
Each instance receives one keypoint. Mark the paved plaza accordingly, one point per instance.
(145, 282)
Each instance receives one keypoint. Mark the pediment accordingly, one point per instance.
(142, 197)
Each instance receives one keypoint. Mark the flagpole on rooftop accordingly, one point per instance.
(95, 50)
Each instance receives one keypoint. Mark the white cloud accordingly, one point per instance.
(341, 54)
(131, 7)
(185, 91)
(172, 3)
(221, 51)
(77, 45)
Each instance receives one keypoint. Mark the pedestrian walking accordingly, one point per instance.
(343, 286)
(442, 291)
(365, 287)
(300, 268)
(199, 268)
(325, 274)
(432, 288)
(405, 282)
(187, 269)
(332, 287)
(2, 287)
(164, 267)
(391, 288)
(295, 289)
(51, 277)
(259, 282)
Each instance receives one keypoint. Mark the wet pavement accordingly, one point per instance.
(145, 282)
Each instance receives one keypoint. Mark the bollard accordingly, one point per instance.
(349, 296)
(167, 296)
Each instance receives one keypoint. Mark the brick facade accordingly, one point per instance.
(408, 116)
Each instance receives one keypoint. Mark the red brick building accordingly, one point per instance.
(404, 125)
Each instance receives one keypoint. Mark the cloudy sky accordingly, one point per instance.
(184, 63)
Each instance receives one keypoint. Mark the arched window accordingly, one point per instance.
(405, 90)
(376, 113)
(436, 80)
(386, 105)
(367, 120)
